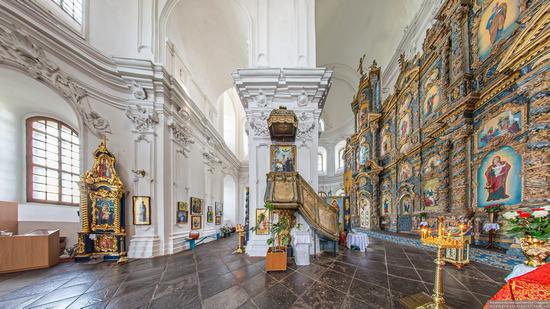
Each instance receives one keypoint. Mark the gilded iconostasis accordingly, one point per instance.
(466, 127)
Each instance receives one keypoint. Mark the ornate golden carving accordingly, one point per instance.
(531, 43)
(535, 250)
(101, 187)
(303, 198)
(113, 196)
(105, 243)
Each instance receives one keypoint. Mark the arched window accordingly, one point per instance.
(73, 8)
(339, 155)
(322, 160)
(53, 162)
(321, 125)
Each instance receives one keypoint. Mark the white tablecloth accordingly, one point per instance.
(300, 242)
(520, 269)
(300, 238)
(491, 226)
(359, 240)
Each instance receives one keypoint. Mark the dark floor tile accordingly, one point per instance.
(237, 264)
(336, 280)
(457, 298)
(275, 297)
(185, 285)
(322, 261)
(171, 300)
(344, 268)
(425, 263)
(379, 257)
(297, 283)
(258, 284)
(404, 272)
(213, 272)
(479, 286)
(247, 272)
(467, 271)
(132, 286)
(62, 303)
(280, 275)
(372, 266)
(248, 305)
(18, 303)
(448, 280)
(496, 274)
(100, 305)
(300, 303)
(313, 271)
(370, 293)
(34, 289)
(231, 298)
(401, 287)
(95, 297)
(213, 287)
(353, 303)
(404, 262)
(61, 293)
(374, 277)
(323, 296)
(135, 299)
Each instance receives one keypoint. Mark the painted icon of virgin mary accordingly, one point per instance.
(496, 175)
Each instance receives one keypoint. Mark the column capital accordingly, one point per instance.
(295, 88)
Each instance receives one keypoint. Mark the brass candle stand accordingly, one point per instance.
(241, 231)
(441, 241)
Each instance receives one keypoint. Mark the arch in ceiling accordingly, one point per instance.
(167, 10)
(211, 38)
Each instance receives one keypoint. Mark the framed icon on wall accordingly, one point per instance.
(142, 210)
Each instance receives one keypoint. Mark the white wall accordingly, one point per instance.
(21, 97)
(174, 142)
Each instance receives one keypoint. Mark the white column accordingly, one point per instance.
(283, 34)
(261, 90)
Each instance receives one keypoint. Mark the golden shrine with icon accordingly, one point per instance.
(102, 210)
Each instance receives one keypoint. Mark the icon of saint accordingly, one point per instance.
(496, 176)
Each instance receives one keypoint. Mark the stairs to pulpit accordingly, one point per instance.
(288, 190)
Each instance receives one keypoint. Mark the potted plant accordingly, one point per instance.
(226, 231)
(532, 227)
(492, 212)
(276, 257)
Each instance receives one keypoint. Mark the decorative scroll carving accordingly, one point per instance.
(19, 50)
(259, 125)
(138, 91)
(306, 127)
(181, 135)
(144, 120)
(211, 160)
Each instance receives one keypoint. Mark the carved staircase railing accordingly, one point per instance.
(289, 191)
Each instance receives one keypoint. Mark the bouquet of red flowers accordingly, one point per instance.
(529, 222)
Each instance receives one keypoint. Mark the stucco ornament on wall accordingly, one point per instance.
(18, 50)
(306, 126)
(138, 91)
(258, 124)
(144, 120)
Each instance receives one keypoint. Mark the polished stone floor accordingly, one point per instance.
(212, 277)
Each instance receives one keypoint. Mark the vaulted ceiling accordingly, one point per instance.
(211, 37)
(347, 29)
